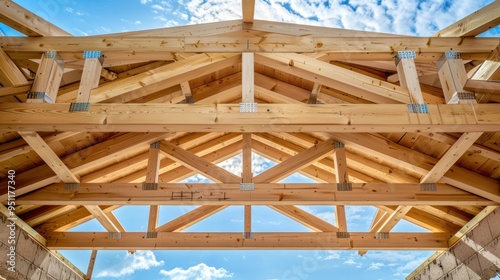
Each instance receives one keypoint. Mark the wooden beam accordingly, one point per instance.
(249, 42)
(15, 89)
(160, 78)
(479, 86)
(408, 159)
(90, 78)
(313, 98)
(198, 164)
(104, 220)
(305, 218)
(295, 163)
(27, 22)
(190, 218)
(152, 174)
(186, 91)
(10, 75)
(247, 79)
(97, 154)
(261, 240)
(70, 220)
(90, 268)
(48, 78)
(451, 156)
(341, 176)
(452, 75)
(270, 117)
(47, 154)
(247, 175)
(392, 219)
(247, 229)
(248, 8)
(408, 77)
(336, 77)
(264, 194)
(475, 23)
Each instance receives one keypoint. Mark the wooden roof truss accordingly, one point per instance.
(416, 136)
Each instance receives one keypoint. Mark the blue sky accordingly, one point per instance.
(91, 17)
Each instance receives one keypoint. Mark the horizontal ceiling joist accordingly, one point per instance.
(260, 240)
(249, 42)
(263, 194)
(269, 117)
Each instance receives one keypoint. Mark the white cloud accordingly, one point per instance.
(144, 2)
(157, 7)
(69, 9)
(140, 260)
(410, 17)
(137, 22)
(376, 266)
(199, 272)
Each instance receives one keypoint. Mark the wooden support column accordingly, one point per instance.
(341, 175)
(313, 98)
(47, 80)
(186, 90)
(408, 77)
(452, 75)
(91, 75)
(247, 82)
(151, 182)
(248, 9)
(247, 176)
(90, 269)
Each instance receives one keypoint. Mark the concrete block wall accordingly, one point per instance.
(33, 261)
(475, 256)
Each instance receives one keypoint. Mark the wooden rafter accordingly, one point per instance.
(475, 23)
(27, 22)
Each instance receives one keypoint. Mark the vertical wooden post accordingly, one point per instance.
(91, 75)
(452, 75)
(408, 77)
(152, 181)
(247, 78)
(47, 80)
(341, 175)
(247, 176)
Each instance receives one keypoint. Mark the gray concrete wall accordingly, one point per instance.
(475, 256)
(32, 261)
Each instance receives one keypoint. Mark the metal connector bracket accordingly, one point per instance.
(248, 107)
(71, 186)
(92, 54)
(114, 235)
(247, 186)
(341, 234)
(343, 187)
(428, 187)
(248, 235)
(151, 234)
(79, 107)
(382, 235)
(149, 186)
(406, 54)
(418, 108)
